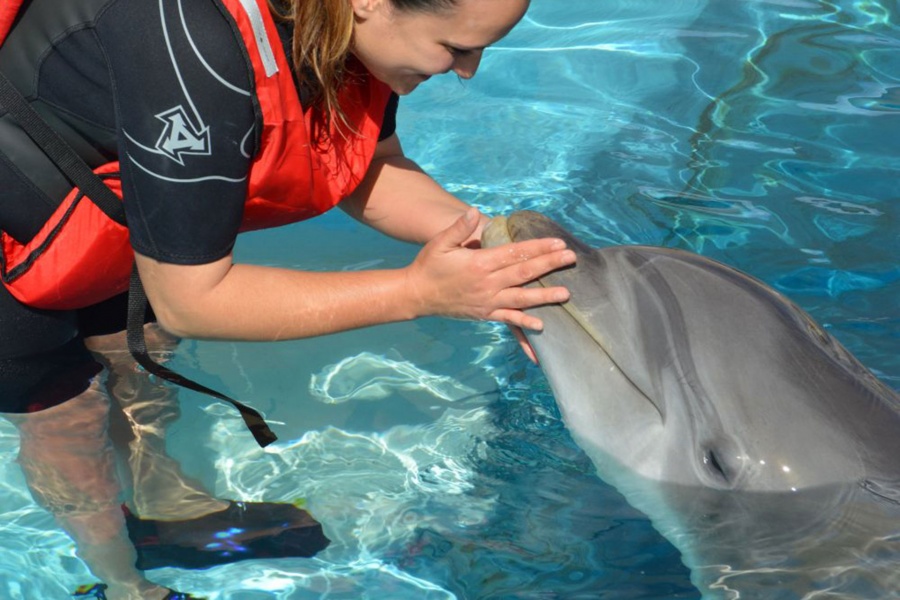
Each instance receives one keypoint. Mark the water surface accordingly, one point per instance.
(763, 134)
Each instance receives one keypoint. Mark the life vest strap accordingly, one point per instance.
(59, 151)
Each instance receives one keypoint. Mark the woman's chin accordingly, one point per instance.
(406, 85)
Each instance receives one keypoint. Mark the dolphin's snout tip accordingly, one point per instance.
(495, 233)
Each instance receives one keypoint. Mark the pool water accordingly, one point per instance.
(765, 134)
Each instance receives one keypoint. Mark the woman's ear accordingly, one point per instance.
(364, 9)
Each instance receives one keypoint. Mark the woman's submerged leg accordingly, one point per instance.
(174, 520)
(69, 465)
(161, 490)
(57, 392)
(50, 389)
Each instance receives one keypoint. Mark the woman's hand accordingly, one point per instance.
(524, 344)
(450, 279)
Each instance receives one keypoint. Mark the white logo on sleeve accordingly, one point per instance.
(180, 136)
(184, 131)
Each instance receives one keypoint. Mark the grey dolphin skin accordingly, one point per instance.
(755, 443)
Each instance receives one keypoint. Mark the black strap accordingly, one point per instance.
(82, 177)
(60, 152)
(137, 309)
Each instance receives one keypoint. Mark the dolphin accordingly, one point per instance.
(751, 438)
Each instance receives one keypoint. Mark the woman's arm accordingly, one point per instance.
(222, 300)
(450, 277)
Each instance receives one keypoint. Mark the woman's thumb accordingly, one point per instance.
(462, 229)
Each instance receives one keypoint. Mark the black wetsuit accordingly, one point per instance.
(162, 86)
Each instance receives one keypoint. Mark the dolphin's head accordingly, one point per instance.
(683, 370)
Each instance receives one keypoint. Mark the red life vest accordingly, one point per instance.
(81, 257)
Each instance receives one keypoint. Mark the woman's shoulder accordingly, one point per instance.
(202, 31)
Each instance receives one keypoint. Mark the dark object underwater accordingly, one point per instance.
(97, 591)
(240, 532)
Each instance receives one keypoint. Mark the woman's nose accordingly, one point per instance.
(465, 66)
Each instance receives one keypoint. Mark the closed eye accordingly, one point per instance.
(460, 51)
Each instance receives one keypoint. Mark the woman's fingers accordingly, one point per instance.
(516, 318)
(532, 267)
(524, 343)
(516, 253)
(519, 298)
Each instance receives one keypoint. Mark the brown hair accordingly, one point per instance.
(323, 34)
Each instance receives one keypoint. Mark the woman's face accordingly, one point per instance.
(403, 49)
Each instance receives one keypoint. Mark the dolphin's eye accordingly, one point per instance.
(712, 463)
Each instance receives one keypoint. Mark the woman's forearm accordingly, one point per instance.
(251, 302)
(400, 200)
(221, 300)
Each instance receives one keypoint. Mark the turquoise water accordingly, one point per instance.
(763, 134)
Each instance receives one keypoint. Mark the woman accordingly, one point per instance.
(190, 110)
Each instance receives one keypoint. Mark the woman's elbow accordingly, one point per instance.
(181, 295)
(176, 323)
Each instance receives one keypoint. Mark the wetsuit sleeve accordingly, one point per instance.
(186, 124)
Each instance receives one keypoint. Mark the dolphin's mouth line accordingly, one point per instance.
(500, 225)
(566, 306)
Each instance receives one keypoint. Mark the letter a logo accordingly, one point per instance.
(180, 137)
